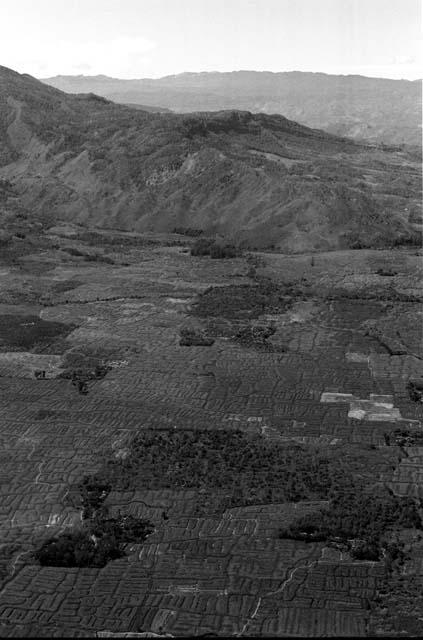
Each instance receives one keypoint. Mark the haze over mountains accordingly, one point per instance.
(375, 109)
(258, 178)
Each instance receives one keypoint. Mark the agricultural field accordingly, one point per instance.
(199, 445)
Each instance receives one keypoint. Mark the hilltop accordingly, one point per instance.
(262, 179)
(375, 109)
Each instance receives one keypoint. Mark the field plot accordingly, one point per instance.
(296, 394)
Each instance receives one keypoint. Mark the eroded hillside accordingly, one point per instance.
(377, 109)
(262, 179)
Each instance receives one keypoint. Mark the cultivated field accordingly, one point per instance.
(92, 373)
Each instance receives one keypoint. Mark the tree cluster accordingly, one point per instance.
(214, 249)
(255, 336)
(188, 231)
(228, 466)
(249, 300)
(358, 520)
(192, 338)
(100, 539)
(415, 390)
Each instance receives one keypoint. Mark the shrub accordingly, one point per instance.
(73, 251)
(404, 438)
(44, 414)
(201, 247)
(386, 272)
(93, 492)
(408, 239)
(255, 334)
(188, 231)
(98, 257)
(219, 251)
(5, 239)
(366, 550)
(68, 285)
(354, 241)
(123, 528)
(415, 390)
(85, 374)
(192, 338)
(78, 549)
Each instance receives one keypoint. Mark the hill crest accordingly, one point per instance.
(262, 179)
(363, 108)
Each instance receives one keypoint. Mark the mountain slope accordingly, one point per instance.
(262, 179)
(375, 109)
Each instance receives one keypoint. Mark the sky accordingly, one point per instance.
(154, 38)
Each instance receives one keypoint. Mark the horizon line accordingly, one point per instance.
(181, 73)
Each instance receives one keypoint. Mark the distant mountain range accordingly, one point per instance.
(257, 178)
(373, 109)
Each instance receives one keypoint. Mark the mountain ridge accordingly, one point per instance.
(260, 179)
(361, 107)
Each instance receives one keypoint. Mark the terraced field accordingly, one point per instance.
(95, 385)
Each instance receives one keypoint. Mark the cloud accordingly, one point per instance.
(84, 66)
(121, 56)
(404, 60)
(116, 56)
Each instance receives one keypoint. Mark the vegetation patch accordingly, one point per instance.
(389, 273)
(67, 285)
(404, 438)
(84, 367)
(88, 257)
(98, 257)
(14, 248)
(92, 492)
(25, 333)
(391, 343)
(248, 301)
(74, 251)
(228, 468)
(357, 520)
(257, 337)
(192, 338)
(44, 414)
(415, 390)
(77, 549)
(216, 250)
(81, 377)
(100, 539)
(93, 238)
(222, 251)
(95, 544)
(188, 231)
(202, 247)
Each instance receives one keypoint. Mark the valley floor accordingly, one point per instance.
(333, 379)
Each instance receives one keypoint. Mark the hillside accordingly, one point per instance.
(261, 179)
(375, 109)
(145, 107)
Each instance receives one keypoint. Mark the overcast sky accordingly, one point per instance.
(153, 38)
